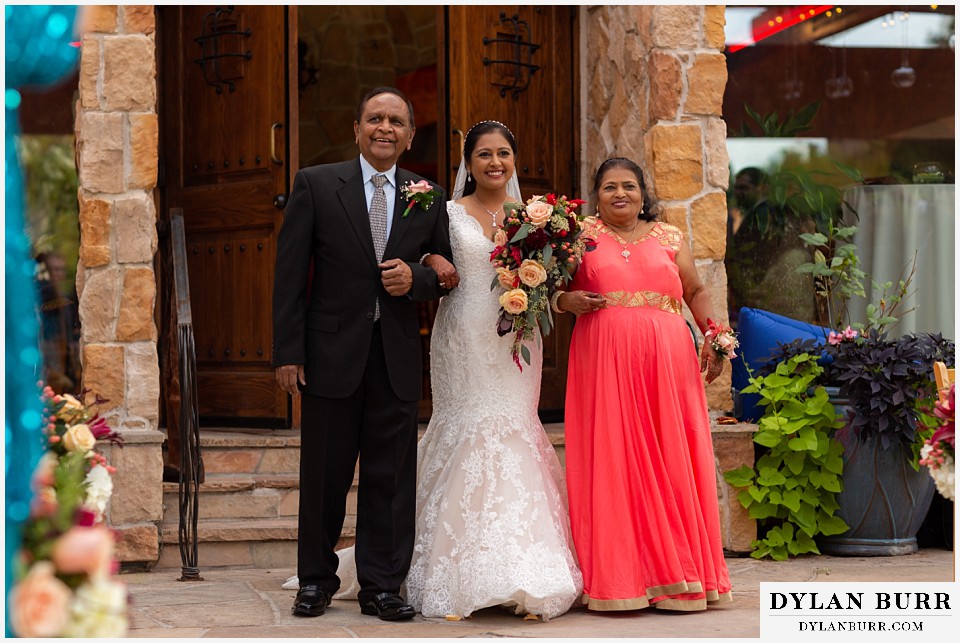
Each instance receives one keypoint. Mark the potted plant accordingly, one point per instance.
(884, 389)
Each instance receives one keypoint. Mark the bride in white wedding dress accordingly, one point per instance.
(492, 523)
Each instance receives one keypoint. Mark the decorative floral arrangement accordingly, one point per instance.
(421, 193)
(937, 453)
(721, 338)
(65, 569)
(540, 243)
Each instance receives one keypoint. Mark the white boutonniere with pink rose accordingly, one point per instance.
(421, 193)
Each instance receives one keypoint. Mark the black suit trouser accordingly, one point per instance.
(382, 429)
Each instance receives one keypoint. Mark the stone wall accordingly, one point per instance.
(116, 133)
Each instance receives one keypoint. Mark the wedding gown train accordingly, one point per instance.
(492, 525)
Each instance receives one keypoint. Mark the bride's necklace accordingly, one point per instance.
(623, 244)
(493, 215)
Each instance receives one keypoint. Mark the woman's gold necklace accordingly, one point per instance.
(623, 244)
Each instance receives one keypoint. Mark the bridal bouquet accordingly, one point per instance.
(540, 243)
(937, 453)
(64, 573)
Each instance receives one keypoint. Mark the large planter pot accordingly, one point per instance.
(884, 500)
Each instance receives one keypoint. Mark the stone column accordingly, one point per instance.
(116, 134)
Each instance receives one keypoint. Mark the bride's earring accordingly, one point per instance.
(468, 176)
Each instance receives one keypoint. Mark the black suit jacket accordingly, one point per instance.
(328, 329)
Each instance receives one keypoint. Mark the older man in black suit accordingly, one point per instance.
(350, 341)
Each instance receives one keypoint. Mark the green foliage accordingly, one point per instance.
(771, 125)
(40, 534)
(838, 278)
(795, 192)
(791, 490)
(52, 209)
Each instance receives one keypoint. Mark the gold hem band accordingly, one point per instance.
(674, 604)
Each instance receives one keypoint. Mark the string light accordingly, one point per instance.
(829, 14)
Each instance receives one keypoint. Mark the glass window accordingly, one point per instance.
(813, 89)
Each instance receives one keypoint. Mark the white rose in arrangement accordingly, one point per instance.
(99, 610)
(99, 489)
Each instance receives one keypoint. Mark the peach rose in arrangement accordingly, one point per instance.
(79, 439)
(532, 273)
(507, 278)
(40, 603)
(514, 301)
(69, 410)
(500, 237)
(539, 213)
(84, 550)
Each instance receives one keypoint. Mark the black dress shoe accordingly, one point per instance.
(389, 607)
(311, 600)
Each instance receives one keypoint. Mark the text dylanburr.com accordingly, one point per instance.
(849, 611)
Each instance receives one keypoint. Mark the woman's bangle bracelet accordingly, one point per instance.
(555, 302)
(424, 257)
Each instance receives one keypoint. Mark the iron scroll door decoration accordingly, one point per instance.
(516, 44)
(189, 425)
(222, 43)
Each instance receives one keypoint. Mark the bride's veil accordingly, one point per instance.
(513, 185)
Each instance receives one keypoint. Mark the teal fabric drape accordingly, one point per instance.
(38, 52)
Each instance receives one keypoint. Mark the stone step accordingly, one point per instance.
(250, 451)
(263, 544)
(222, 497)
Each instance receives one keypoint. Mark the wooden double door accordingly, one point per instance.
(231, 81)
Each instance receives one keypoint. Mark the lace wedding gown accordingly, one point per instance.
(492, 525)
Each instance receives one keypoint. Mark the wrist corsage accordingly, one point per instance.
(721, 338)
(421, 193)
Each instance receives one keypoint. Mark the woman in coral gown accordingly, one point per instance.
(641, 477)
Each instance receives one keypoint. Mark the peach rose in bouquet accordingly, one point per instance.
(532, 273)
(514, 301)
(539, 213)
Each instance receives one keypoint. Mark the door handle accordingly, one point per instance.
(273, 143)
(280, 201)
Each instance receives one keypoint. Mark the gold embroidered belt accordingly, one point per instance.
(645, 298)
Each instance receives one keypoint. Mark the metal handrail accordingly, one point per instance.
(189, 426)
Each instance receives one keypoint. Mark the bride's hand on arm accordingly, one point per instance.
(446, 272)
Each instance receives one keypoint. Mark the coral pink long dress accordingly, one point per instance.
(641, 475)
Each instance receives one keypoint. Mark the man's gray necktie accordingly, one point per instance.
(378, 224)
